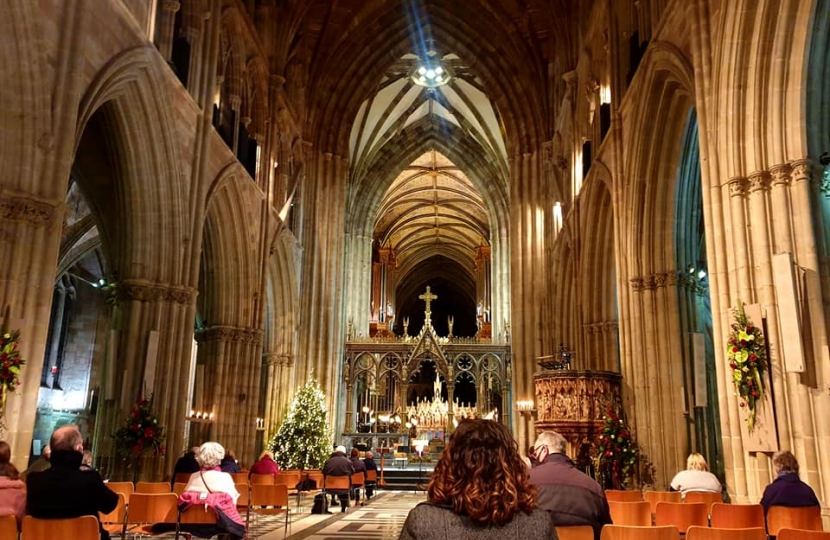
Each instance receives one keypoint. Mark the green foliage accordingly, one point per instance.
(617, 453)
(10, 360)
(303, 440)
(747, 354)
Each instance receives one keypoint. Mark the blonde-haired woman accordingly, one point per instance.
(696, 477)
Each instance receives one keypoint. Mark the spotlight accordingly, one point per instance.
(422, 70)
(701, 274)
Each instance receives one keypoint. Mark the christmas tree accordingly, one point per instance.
(303, 440)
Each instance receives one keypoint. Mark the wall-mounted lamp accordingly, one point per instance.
(525, 407)
(200, 416)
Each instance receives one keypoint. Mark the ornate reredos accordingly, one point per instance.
(428, 347)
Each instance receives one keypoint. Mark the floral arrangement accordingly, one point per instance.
(747, 354)
(616, 452)
(10, 361)
(141, 434)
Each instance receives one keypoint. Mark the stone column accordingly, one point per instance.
(58, 313)
(166, 26)
(232, 381)
(30, 233)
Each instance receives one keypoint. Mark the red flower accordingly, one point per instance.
(735, 349)
(148, 433)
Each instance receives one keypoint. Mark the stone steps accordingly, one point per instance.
(406, 479)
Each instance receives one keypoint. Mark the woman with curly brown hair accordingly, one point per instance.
(479, 489)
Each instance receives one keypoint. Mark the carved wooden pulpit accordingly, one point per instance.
(573, 403)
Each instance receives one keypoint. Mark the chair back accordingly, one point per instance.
(337, 482)
(127, 488)
(8, 527)
(261, 479)
(197, 513)
(800, 534)
(371, 475)
(623, 495)
(290, 479)
(152, 487)
(182, 477)
(178, 488)
(317, 476)
(681, 515)
(696, 532)
(807, 518)
(622, 532)
(707, 497)
(153, 508)
(269, 495)
(654, 497)
(632, 514)
(737, 516)
(575, 532)
(244, 491)
(115, 521)
(239, 477)
(78, 528)
(358, 479)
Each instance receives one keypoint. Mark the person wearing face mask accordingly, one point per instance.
(64, 490)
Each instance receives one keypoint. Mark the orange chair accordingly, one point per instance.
(195, 514)
(289, 479)
(79, 528)
(654, 497)
(182, 478)
(706, 533)
(115, 523)
(336, 483)
(8, 527)
(267, 479)
(800, 534)
(681, 515)
(807, 518)
(358, 481)
(737, 516)
(575, 532)
(268, 500)
(239, 477)
(706, 497)
(149, 508)
(153, 487)
(127, 488)
(632, 514)
(621, 532)
(623, 495)
(317, 476)
(244, 499)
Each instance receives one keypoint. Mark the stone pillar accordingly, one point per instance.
(232, 381)
(153, 329)
(30, 233)
(58, 314)
(167, 24)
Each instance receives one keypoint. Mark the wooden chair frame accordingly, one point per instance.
(737, 516)
(275, 500)
(339, 483)
(631, 514)
(807, 518)
(623, 495)
(696, 532)
(115, 523)
(78, 528)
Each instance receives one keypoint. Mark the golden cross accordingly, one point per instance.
(428, 297)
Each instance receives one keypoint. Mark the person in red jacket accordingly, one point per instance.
(265, 465)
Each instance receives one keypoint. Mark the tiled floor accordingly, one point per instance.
(380, 519)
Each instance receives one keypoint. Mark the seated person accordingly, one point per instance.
(12, 489)
(186, 464)
(64, 490)
(40, 464)
(480, 489)
(358, 466)
(696, 477)
(265, 465)
(370, 465)
(787, 489)
(229, 464)
(339, 465)
(212, 487)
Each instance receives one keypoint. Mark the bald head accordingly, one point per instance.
(369, 455)
(67, 438)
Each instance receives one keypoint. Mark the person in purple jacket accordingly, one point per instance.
(787, 489)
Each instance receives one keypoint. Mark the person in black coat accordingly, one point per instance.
(186, 464)
(370, 464)
(359, 466)
(339, 465)
(228, 463)
(64, 490)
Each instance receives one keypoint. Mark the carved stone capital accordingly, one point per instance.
(660, 279)
(649, 283)
(229, 334)
(759, 181)
(802, 169)
(738, 186)
(637, 284)
(28, 209)
(781, 174)
(144, 291)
